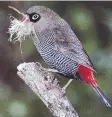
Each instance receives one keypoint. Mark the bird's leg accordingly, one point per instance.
(55, 71)
(64, 88)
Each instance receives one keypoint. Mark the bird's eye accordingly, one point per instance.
(34, 17)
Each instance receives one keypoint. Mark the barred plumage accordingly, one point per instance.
(60, 50)
(52, 54)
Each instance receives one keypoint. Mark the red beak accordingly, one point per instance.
(25, 18)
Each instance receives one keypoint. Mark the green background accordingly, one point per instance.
(92, 23)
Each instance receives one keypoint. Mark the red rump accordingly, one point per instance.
(87, 75)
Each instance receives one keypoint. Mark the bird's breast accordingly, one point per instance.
(53, 56)
(55, 59)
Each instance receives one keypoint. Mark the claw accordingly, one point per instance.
(52, 70)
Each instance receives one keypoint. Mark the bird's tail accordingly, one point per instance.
(86, 75)
(101, 95)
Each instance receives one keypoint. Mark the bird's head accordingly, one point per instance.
(36, 18)
(41, 17)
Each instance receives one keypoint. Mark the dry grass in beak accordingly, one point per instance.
(19, 29)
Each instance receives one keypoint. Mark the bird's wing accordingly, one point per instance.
(68, 43)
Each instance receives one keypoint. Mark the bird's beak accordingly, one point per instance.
(25, 18)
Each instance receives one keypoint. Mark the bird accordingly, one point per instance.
(60, 48)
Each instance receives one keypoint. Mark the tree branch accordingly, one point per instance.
(46, 86)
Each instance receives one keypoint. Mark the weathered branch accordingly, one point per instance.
(46, 86)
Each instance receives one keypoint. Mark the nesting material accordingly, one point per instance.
(18, 29)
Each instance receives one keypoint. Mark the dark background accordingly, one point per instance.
(92, 23)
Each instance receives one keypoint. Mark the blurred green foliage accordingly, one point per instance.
(92, 23)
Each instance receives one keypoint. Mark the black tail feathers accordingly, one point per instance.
(102, 96)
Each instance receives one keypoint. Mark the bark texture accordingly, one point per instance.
(46, 86)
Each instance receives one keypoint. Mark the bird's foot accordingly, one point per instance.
(52, 70)
(68, 83)
(49, 70)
